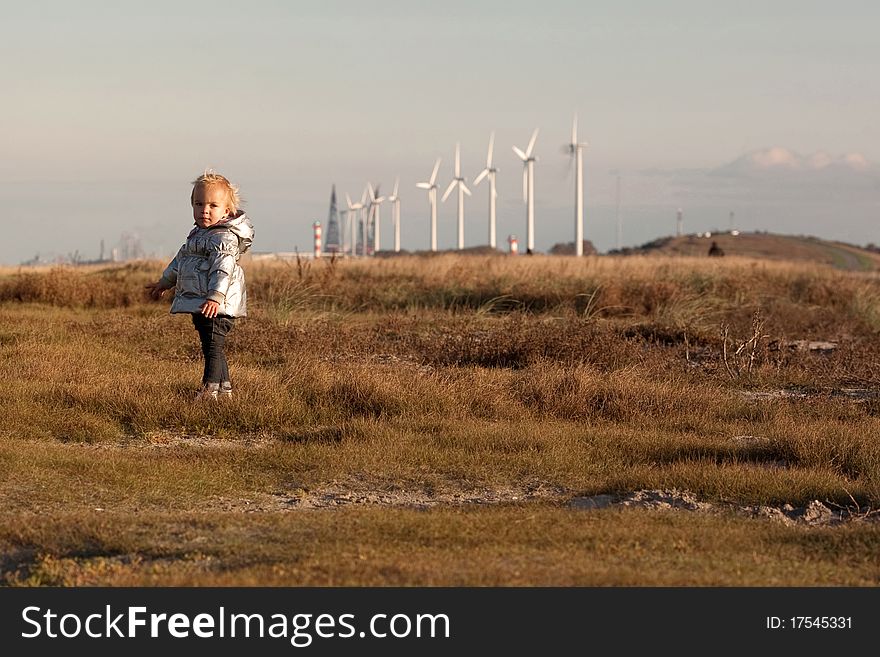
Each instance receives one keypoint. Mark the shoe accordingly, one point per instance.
(225, 391)
(208, 392)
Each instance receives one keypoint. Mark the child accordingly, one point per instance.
(208, 282)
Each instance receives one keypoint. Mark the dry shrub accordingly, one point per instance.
(644, 297)
(364, 390)
(50, 570)
(80, 287)
(517, 341)
(813, 289)
(864, 305)
(690, 292)
(361, 396)
(630, 395)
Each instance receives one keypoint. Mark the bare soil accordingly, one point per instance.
(361, 491)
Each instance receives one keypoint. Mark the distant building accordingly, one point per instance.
(130, 248)
(332, 243)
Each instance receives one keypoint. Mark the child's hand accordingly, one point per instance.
(210, 309)
(155, 290)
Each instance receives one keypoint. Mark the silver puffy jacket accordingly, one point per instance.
(206, 268)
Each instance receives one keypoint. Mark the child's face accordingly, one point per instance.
(210, 205)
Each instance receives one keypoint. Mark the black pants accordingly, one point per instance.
(212, 333)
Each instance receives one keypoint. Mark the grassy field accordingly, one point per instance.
(447, 420)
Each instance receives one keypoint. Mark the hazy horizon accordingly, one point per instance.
(112, 109)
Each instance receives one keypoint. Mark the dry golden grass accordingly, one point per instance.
(438, 375)
(510, 546)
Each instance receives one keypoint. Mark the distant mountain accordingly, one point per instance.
(778, 160)
(765, 245)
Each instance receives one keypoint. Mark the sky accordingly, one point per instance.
(767, 110)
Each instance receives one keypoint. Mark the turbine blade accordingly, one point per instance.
(483, 174)
(489, 154)
(423, 185)
(457, 162)
(532, 143)
(378, 200)
(433, 178)
(372, 191)
(521, 155)
(574, 130)
(396, 183)
(348, 200)
(448, 190)
(465, 189)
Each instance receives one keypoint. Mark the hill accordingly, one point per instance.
(766, 245)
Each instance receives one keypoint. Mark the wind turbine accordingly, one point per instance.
(458, 181)
(352, 214)
(576, 150)
(394, 199)
(617, 212)
(346, 217)
(375, 202)
(490, 172)
(432, 199)
(364, 227)
(529, 189)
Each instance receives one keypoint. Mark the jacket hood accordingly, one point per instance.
(240, 225)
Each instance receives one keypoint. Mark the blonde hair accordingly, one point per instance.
(213, 179)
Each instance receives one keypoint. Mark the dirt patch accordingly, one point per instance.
(341, 494)
(361, 491)
(854, 394)
(815, 514)
(166, 439)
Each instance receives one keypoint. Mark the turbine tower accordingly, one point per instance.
(394, 199)
(364, 224)
(353, 211)
(489, 172)
(529, 189)
(375, 217)
(346, 218)
(617, 212)
(576, 150)
(431, 186)
(458, 181)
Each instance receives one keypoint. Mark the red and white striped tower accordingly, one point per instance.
(514, 244)
(317, 227)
